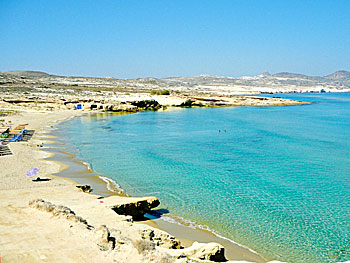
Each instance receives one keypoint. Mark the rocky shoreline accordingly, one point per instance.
(43, 92)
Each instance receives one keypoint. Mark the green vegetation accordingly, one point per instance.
(165, 92)
(4, 113)
(152, 105)
(187, 103)
(160, 92)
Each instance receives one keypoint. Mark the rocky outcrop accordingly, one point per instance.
(117, 107)
(104, 239)
(133, 206)
(160, 238)
(151, 245)
(203, 251)
(85, 188)
(57, 211)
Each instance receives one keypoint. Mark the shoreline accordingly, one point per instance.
(35, 225)
(63, 189)
(101, 184)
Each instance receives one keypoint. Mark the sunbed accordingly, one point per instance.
(14, 138)
(19, 137)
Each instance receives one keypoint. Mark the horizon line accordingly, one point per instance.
(183, 76)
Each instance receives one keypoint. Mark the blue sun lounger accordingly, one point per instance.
(16, 138)
(19, 137)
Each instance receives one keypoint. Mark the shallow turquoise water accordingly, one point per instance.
(276, 179)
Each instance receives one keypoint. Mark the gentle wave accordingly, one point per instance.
(284, 214)
(88, 166)
(188, 223)
(112, 185)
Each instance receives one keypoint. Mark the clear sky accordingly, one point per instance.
(139, 38)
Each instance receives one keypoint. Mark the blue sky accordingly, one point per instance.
(138, 38)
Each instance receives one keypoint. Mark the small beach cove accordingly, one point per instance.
(82, 173)
(330, 118)
(69, 221)
(327, 107)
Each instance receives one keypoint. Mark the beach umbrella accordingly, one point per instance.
(32, 172)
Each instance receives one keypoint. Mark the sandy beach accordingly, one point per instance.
(175, 132)
(33, 233)
(41, 232)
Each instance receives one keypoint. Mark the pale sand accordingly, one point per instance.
(30, 235)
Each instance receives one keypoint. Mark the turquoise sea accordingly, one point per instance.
(275, 179)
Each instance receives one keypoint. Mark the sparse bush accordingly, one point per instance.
(164, 92)
(147, 104)
(143, 246)
(160, 92)
(187, 103)
(166, 259)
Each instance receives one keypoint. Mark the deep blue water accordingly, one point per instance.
(276, 179)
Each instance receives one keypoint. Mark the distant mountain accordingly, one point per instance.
(265, 82)
(24, 73)
(201, 79)
(342, 74)
(265, 74)
(289, 75)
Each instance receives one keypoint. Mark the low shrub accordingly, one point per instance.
(160, 92)
(143, 246)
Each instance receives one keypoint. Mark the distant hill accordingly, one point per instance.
(342, 74)
(265, 82)
(289, 75)
(264, 74)
(24, 73)
(338, 79)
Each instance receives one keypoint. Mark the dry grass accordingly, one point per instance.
(143, 246)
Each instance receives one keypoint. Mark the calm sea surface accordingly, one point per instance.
(276, 179)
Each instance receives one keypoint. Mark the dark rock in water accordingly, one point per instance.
(133, 206)
(85, 188)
